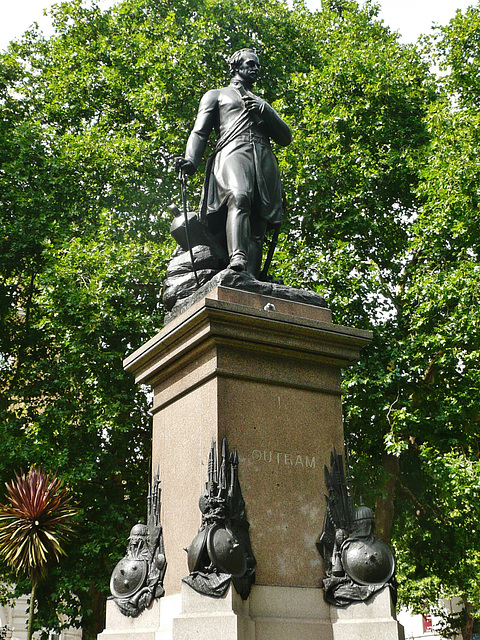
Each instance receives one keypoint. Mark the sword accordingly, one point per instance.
(183, 181)
(271, 250)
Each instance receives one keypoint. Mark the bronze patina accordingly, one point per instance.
(357, 564)
(137, 580)
(221, 551)
(242, 179)
(242, 197)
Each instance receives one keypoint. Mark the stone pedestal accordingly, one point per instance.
(153, 624)
(374, 619)
(268, 380)
(270, 613)
(204, 618)
(265, 373)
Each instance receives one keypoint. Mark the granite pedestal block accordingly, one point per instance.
(371, 620)
(154, 623)
(270, 613)
(266, 374)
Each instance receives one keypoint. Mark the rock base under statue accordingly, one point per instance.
(243, 281)
(270, 613)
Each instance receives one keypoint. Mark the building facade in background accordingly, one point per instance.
(14, 619)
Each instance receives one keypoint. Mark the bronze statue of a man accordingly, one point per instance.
(242, 179)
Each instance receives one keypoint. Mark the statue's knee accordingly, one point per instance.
(239, 201)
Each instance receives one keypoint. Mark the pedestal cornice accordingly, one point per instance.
(237, 319)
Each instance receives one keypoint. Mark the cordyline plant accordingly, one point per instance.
(34, 526)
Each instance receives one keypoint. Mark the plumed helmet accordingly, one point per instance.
(138, 531)
(363, 513)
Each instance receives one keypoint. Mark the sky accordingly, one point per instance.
(409, 17)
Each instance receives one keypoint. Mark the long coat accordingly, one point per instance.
(243, 162)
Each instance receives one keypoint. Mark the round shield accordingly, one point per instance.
(195, 550)
(128, 577)
(226, 552)
(368, 561)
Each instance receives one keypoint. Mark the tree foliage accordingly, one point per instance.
(439, 405)
(382, 187)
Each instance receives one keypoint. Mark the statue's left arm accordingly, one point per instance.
(277, 129)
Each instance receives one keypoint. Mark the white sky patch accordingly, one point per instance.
(412, 18)
(409, 17)
(20, 15)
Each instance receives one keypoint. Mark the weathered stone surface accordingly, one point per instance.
(269, 381)
(244, 282)
(271, 613)
(366, 620)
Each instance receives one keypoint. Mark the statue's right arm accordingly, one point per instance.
(206, 118)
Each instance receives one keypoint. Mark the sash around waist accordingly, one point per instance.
(250, 137)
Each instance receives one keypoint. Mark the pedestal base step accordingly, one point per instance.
(270, 613)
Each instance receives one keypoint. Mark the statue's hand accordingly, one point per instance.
(253, 104)
(182, 165)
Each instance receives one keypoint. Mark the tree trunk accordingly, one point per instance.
(95, 623)
(31, 610)
(467, 623)
(384, 506)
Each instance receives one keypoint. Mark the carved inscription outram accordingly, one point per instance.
(282, 458)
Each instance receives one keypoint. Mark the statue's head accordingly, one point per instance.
(138, 535)
(242, 58)
(137, 541)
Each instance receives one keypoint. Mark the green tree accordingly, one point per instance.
(386, 159)
(436, 421)
(439, 411)
(354, 167)
(91, 119)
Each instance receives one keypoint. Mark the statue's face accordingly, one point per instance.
(249, 67)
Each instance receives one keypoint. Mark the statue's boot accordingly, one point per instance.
(245, 234)
(238, 231)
